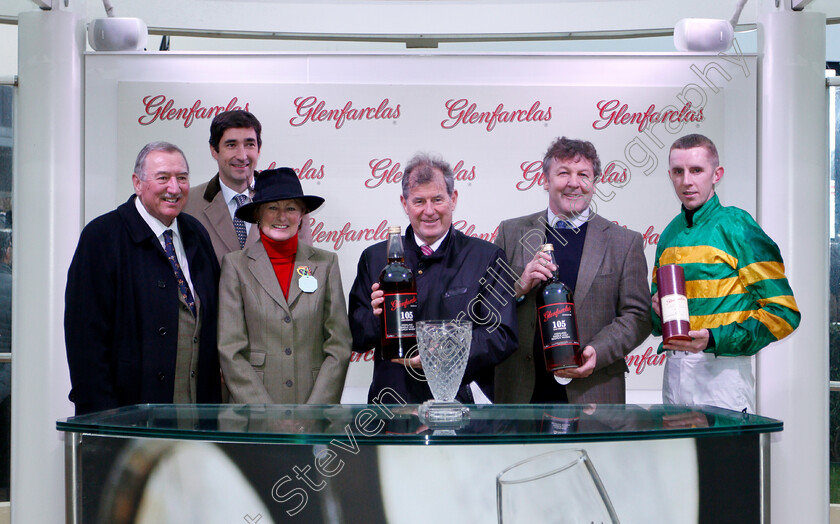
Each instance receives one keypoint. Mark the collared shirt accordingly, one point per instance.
(435, 245)
(230, 197)
(576, 221)
(158, 228)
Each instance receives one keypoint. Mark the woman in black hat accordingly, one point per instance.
(284, 337)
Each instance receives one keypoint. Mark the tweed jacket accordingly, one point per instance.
(274, 350)
(207, 204)
(612, 302)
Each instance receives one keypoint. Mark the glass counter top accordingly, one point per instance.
(382, 424)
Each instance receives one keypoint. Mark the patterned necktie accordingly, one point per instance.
(169, 247)
(562, 224)
(238, 223)
(426, 250)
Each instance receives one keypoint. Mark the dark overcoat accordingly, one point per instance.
(465, 277)
(121, 313)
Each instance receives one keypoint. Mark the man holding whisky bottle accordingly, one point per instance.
(456, 276)
(739, 299)
(602, 263)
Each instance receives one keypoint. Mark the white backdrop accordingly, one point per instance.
(349, 122)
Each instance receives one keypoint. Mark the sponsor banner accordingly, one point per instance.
(349, 139)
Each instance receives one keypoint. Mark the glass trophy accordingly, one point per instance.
(444, 347)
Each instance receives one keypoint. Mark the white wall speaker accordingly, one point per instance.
(117, 34)
(703, 35)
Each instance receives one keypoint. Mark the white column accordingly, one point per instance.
(792, 376)
(47, 211)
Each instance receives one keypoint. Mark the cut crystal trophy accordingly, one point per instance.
(444, 347)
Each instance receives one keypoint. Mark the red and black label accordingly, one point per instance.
(557, 325)
(398, 310)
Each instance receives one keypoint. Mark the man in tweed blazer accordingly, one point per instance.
(235, 142)
(605, 266)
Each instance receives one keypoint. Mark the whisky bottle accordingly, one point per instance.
(556, 321)
(397, 282)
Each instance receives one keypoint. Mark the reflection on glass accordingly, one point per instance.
(159, 481)
(558, 487)
(561, 422)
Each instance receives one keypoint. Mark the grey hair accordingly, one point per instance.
(167, 147)
(420, 170)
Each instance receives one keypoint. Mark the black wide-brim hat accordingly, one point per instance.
(277, 184)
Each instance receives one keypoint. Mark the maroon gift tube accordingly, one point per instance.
(670, 281)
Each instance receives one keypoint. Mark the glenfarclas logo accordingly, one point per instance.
(385, 170)
(306, 172)
(641, 361)
(462, 111)
(556, 313)
(310, 109)
(369, 235)
(470, 230)
(613, 174)
(532, 175)
(649, 238)
(405, 303)
(462, 173)
(614, 112)
(159, 107)
(347, 233)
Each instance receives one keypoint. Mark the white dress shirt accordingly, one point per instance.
(435, 245)
(158, 229)
(576, 221)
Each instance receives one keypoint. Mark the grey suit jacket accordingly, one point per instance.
(612, 302)
(207, 204)
(276, 351)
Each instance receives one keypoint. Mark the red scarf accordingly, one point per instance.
(282, 255)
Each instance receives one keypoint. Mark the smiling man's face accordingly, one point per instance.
(165, 185)
(429, 208)
(237, 157)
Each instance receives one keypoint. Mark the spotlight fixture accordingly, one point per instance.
(117, 34)
(706, 34)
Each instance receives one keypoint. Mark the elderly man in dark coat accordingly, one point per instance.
(141, 297)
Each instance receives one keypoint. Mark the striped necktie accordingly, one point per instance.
(426, 250)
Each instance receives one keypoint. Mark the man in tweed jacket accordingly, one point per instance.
(605, 266)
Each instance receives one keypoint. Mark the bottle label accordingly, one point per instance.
(561, 425)
(399, 309)
(674, 307)
(558, 326)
